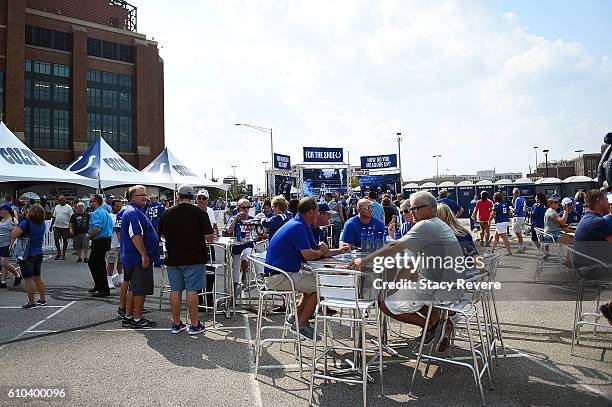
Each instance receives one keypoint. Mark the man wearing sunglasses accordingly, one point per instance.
(241, 250)
(365, 221)
(431, 238)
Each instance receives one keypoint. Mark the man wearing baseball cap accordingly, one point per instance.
(108, 204)
(202, 199)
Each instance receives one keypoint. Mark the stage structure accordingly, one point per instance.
(379, 173)
(323, 170)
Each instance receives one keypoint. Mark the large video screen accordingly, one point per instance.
(318, 181)
(386, 182)
(282, 185)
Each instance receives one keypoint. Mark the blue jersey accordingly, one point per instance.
(317, 235)
(285, 247)
(579, 209)
(154, 212)
(406, 226)
(519, 207)
(454, 206)
(353, 228)
(135, 222)
(537, 215)
(36, 232)
(275, 222)
(501, 212)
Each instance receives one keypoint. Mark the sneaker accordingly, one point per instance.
(143, 323)
(63, 257)
(79, 260)
(92, 290)
(17, 281)
(290, 320)
(28, 306)
(121, 313)
(40, 302)
(127, 322)
(3, 285)
(99, 294)
(59, 256)
(178, 328)
(279, 310)
(447, 331)
(306, 332)
(430, 335)
(85, 260)
(194, 330)
(606, 312)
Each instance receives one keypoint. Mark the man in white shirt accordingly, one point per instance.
(60, 224)
(202, 198)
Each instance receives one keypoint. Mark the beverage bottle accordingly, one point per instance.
(385, 238)
(398, 233)
(380, 241)
(238, 233)
(371, 241)
(364, 241)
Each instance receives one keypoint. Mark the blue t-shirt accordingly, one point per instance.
(519, 207)
(275, 222)
(317, 235)
(580, 209)
(285, 247)
(135, 222)
(454, 206)
(154, 212)
(501, 212)
(102, 220)
(467, 245)
(36, 233)
(353, 227)
(608, 218)
(379, 211)
(572, 217)
(592, 228)
(537, 215)
(406, 226)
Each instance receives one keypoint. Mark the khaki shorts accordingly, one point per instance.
(304, 282)
(80, 242)
(111, 256)
(518, 223)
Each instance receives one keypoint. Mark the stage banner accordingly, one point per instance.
(282, 162)
(282, 185)
(373, 162)
(323, 155)
(382, 183)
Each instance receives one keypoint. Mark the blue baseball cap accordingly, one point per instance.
(324, 207)
(6, 207)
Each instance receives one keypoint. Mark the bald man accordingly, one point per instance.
(363, 222)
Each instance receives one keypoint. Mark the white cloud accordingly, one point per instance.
(457, 79)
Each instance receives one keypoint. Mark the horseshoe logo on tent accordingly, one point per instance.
(89, 163)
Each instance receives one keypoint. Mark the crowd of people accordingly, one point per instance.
(121, 242)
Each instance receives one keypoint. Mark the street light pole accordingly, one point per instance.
(399, 159)
(234, 172)
(535, 148)
(263, 130)
(265, 163)
(437, 157)
(546, 160)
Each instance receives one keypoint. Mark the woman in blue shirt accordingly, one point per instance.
(34, 227)
(406, 224)
(464, 236)
(537, 216)
(502, 220)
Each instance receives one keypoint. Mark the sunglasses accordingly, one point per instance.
(416, 208)
(243, 207)
(406, 211)
(367, 207)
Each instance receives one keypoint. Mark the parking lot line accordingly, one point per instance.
(42, 321)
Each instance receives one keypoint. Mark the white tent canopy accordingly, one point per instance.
(167, 169)
(19, 164)
(101, 163)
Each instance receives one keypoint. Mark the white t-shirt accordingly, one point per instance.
(211, 216)
(114, 239)
(62, 216)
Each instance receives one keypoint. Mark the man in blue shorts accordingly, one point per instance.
(365, 221)
(187, 231)
(138, 242)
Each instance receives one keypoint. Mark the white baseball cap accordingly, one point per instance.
(567, 201)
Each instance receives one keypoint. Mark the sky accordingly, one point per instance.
(478, 82)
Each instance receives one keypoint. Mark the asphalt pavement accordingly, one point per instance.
(77, 344)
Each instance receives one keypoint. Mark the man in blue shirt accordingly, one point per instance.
(454, 206)
(518, 219)
(288, 250)
(100, 231)
(138, 245)
(378, 210)
(593, 237)
(365, 221)
(280, 217)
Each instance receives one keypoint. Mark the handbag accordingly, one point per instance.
(22, 245)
